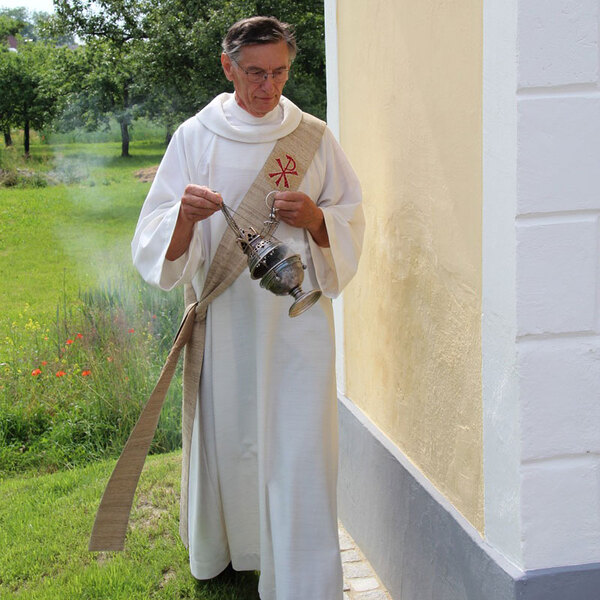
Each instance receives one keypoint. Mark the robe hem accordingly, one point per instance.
(208, 570)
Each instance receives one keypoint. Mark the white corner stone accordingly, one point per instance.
(558, 154)
(560, 392)
(561, 521)
(556, 277)
(349, 556)
(372, 595)
(557, 42)
(357, 569)
(364, 584)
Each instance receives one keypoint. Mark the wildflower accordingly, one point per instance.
(154, 316)
(109, 358)
(131, 330)
(44, 363)
(60, 373)
(79, 336)
(86, 373)
(36, 372)
(69, 342)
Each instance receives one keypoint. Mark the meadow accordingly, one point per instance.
(82, 340)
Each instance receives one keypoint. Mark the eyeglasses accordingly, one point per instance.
(260, 75)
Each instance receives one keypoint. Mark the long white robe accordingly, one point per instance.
(263, 464)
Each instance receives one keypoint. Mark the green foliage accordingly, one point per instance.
(45, 524)
(182, 71)
(55, 242)
(162, 59)
(72, 390)
(9, 26)
(28, 98)
(30, 25)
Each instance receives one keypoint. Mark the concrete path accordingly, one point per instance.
(360, 581)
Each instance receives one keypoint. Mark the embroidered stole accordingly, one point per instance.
(112, 518)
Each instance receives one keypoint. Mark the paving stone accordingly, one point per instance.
(358, 569)
(360, 580)
(364, 584)
(346, 542)
(350, 556)
(371, 595)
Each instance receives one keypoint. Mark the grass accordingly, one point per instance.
(70, 394)
(82, 228)
(65, 272)
(65, 269)
(44, 544)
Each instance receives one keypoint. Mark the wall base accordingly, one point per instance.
(419, 545)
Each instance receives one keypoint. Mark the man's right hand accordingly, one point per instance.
(197, 203)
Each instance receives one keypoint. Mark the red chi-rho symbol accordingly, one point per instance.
(289, 169)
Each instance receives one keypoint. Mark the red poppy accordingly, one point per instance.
(44, 363)
(131, 330)
(36, 372)
(154, 316)
(79, 336)
(60, 373)
(69, 342)
(86, 373)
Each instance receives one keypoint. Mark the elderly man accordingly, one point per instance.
(259, 486)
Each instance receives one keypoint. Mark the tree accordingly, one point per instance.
(162, 58)
(111, 30)
(27, 101)
(181, 54)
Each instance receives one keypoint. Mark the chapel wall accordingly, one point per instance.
(410, 88)
(541, 307)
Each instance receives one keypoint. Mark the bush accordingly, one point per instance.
(72, 391)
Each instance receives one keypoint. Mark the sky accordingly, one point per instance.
(32, 5)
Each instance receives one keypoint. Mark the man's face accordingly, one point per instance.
(257, 98)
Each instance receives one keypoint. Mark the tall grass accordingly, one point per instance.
(72, 390)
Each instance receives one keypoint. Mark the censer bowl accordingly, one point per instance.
(263, 255)
(286, 277)
(279, 270)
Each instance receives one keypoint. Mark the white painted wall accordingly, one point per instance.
(500, 383)
(541, 318)
(333, 122)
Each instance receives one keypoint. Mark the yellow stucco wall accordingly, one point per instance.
(410, 120)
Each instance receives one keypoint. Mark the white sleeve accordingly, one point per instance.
(340, 201)
(157, 222)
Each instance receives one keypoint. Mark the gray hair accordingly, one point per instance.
(258, 30)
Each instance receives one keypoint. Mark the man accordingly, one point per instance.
(261, 483)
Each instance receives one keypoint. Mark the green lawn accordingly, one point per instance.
(82, 338)
(72, 235)
(45, 523)
(56, 242)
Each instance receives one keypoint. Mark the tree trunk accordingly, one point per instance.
(26, 138)
(7, 137)
(124, 139)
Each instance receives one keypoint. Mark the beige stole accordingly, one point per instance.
(284, 171)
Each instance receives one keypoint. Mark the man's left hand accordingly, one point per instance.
(298, 210)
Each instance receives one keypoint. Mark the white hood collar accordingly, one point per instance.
(224, 117)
